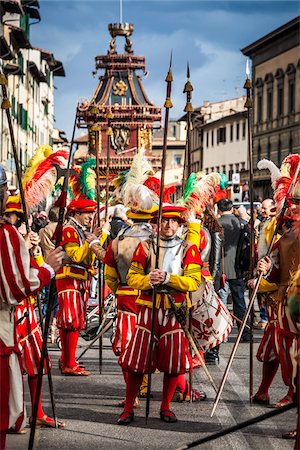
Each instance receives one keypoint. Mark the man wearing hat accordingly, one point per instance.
(178, 273)
(28, 331)
(117, 262)
(72, 282)
(20, 277)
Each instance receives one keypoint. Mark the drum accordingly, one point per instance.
(211, 321)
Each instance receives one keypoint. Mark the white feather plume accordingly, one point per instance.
(135, 194)
(273, 169)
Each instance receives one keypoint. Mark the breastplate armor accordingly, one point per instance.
(125, 244)
(170, 255)
(206, 251)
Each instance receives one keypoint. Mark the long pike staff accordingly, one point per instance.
(6, 105)
(57, 238)
(251, 301)
(167, 105)
(100, 274)
(188, 89)
(249, 106)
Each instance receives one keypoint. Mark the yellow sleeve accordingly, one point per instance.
(266, 286)
(75, 252)
(136, 277)
(111, 278)
(189, 281)
(103, 237)
(39, 259)
(193, 233)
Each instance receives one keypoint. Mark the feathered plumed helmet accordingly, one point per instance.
(41, 175)
(282, 179)
(202, 190)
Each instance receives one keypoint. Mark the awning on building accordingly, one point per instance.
(36, 73)
(12, 69)
(57, 69)
(12, 7)
(32, 12)
(5, 51)
(19, 38)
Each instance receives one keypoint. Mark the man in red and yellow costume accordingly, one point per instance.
(178, 273)
(20, 277)
(117, 262)
(28, 331)
(72, 282)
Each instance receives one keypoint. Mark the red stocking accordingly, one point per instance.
(181, 383)
(70, 350)
(62, 334)
(32, 382)
(125, 375)
(170, 383)
(2, 441)
(134, 382)
(269, 372)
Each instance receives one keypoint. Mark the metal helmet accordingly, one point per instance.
(3, 179)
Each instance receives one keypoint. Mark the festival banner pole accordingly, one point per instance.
(6, 106)
(249, 106)
(167, 106)
(57, 237)
(254, 292)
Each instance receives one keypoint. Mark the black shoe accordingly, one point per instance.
(212, 356)
(125, 418)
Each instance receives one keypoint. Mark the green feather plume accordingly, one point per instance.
(87, 179)
(190, 185)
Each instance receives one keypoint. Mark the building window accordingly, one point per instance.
(206, 171)
(291, 144)
(259, 108)
(269, 104)
(224, 168)
(269, 79)
(291, 73)
(269, 150)
(259, 85)
(244, 130)
(243, 164)
(280, 92)
(231, 133)
(212, 138)
(221, 134)
(280, 100)
(237, 131)
(291, 96)
(259, 152)
(279, 152)
(177, 159)
(207, 139)
(230, 172)
(237, 167)
(218, 169)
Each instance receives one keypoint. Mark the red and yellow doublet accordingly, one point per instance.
(126, 302)
(170, 344)
(20, 277)
(29, 337)
(72, 280)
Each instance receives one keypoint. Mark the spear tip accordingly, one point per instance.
(188, 70)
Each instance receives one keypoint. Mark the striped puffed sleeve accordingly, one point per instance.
(20, 275)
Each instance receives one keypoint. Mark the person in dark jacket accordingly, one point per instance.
(234, 281)
(118, 221)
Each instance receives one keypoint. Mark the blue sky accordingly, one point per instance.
(209, 34)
